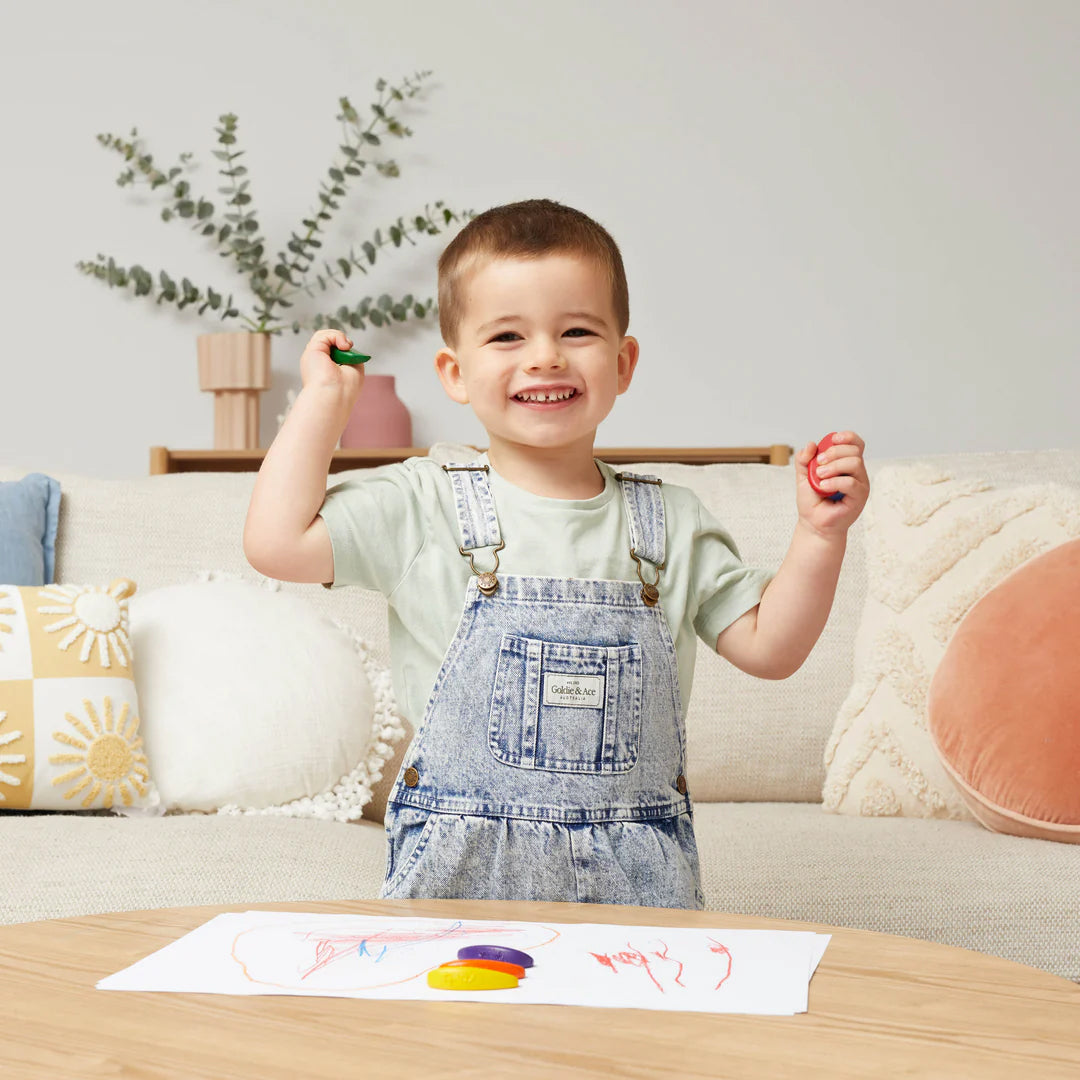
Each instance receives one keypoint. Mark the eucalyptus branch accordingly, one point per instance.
(183, 204)
(142, 283)
(248, 249)
(337, 172)
(379, 312)
(241, 242)
(395, 234)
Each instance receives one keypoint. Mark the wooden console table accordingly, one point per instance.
(165, 460)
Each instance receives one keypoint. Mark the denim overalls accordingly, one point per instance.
(550, 762)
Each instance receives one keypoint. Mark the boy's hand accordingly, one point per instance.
(840, 468)
(318, 370)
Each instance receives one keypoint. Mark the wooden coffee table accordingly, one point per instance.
(879, 1006)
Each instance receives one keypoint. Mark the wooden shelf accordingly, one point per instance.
(164, 460)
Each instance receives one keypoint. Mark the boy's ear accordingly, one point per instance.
(449, 371)
(628, 358)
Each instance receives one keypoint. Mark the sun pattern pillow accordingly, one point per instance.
(69, 713)
(935, 545)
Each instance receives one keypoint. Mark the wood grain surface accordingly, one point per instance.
(163, 459)
(879, 1006)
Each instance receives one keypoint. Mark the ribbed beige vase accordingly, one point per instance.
(236, 367)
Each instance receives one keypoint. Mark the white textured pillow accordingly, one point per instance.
(253, 702)
(935, 545)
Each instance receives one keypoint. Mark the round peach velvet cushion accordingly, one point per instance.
(1004, 707)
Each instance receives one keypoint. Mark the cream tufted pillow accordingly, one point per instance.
(253, 702)
(935, 545)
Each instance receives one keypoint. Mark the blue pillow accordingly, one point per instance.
(29, 514)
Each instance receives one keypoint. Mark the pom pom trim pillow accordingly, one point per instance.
(1004, 703)
(254, 702)
(69, 711)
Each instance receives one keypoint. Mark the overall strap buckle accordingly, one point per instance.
(645, 513)
(650, 594)
(487, 582)
(477, 520)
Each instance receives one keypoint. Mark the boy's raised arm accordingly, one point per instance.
(283, 535)
(773, 639)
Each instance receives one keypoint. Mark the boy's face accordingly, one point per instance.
(539, 356)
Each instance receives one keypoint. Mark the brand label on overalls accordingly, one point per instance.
(576, 691)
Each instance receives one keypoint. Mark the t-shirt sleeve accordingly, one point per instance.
(725, 587)
(376, 526)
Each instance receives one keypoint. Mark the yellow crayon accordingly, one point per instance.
(470, 978)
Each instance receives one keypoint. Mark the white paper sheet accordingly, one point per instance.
(763, 972)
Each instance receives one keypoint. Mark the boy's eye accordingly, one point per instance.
(509, 335)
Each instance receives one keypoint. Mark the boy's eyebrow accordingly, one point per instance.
(566, 315)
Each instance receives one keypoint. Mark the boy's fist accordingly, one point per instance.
(839, 468)
(318, 370)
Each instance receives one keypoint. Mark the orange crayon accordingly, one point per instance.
(492, 965)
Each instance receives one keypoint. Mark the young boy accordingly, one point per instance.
(543, 607)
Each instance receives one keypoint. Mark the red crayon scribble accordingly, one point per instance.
(723, 950)
(605, 960)
(633, 958)
(664, 956)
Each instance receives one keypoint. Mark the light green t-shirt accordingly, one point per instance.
(396, 531)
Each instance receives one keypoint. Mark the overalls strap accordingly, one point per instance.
(477, 520)
(645, 512)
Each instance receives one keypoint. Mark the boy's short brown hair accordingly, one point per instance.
(526, 230)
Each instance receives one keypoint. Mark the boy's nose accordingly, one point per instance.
(548, 356)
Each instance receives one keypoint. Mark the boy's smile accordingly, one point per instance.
(547, 397)
(538, 355)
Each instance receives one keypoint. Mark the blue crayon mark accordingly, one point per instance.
(362, 951)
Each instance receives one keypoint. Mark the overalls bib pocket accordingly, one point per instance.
(565, 707)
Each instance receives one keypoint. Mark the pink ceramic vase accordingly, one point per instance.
(379, 417)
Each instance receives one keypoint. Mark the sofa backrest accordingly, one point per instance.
(748, 739)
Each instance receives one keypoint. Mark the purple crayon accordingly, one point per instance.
(496, 952)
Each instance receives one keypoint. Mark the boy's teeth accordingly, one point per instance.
(556, 396)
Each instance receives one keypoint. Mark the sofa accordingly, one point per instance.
(756, 753)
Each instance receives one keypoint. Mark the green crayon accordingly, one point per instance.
(343, 356)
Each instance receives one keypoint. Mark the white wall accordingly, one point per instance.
(832, 213)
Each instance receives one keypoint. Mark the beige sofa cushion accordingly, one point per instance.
(60, 865)
(952, 882)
